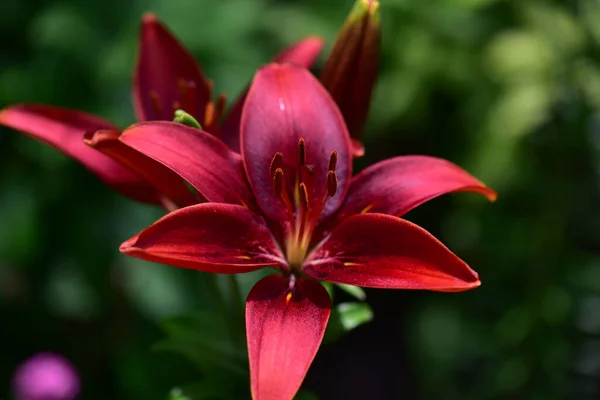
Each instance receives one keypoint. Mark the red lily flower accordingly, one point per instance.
(289, 203)
(166, 79)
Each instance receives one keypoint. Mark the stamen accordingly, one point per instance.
(301, 152)
(211, 88)
(279, 188)
(187, 93)
(276, 163)
(303, 197)
(155, 102)
(332, 183)
(333, 160)
(278, 182)
(209, 113)
(220, 105)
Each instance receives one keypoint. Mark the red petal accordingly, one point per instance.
(381, 251)
(211, 237)
(63, 129)
(284, 328)
(398, 185)
(303, 54)
(166, 76)
(287, 103)
(358, 150)
(166, 182)
(198, 157)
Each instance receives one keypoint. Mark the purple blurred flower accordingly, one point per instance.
(46, 376)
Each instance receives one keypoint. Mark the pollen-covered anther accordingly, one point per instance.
(155, 98)
(332, 161)
(278, 182)
(301, 152)
(303, 196)
(187, 94)
(332, 183)
(209, 113)
(276, 163)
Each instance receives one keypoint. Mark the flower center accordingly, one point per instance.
(188, 101)
(306, 203)
(187, 98)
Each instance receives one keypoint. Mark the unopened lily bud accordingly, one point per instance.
(186, 119)
(351, 69)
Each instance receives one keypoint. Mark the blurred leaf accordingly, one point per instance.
(357, 292)
(305, 395)
(207, 340)
(557, 24)
(345, 317)
(177, 394)
(154, 288)
(216, 387)
(354, 314)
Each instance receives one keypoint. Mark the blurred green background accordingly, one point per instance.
(507, 89)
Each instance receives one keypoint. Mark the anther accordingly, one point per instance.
(333, 160)
(278, 182)
(187, 93)
(302, 152)
(303, 197)
(276, 164)
(332, 183)
(155, 102)
(209, 113)
(220, 105)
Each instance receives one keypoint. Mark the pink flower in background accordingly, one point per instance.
(46, 376)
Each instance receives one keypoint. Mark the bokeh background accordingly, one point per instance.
(507, 89)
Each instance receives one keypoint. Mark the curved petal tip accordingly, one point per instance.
(149, 18)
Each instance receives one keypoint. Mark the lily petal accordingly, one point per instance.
(382, 251)
(285, 328)
(303, 54)
(63, 129)
(166, 182)
(166, 77)
(398, 185)
(287, 103)
(198, 157)
(210, 237)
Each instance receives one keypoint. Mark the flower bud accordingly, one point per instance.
(186, 119)
(351, 69)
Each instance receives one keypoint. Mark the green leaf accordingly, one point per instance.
(329, 287)
(354, 291)
(206, 340)
(305, 395)
(345, 317)
(354, 314)
(177, 394)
